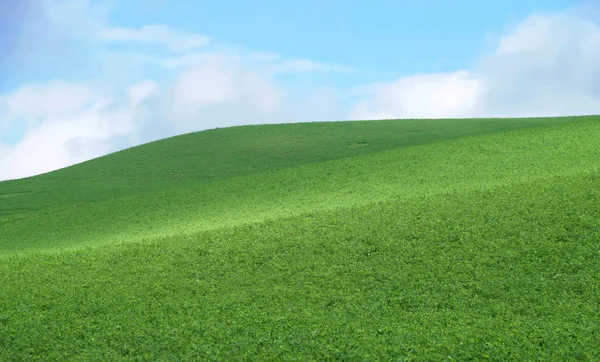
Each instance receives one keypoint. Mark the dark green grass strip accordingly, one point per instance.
(509, 273)
(222, 154)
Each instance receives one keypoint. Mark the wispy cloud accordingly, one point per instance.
(142, 91)
(271, 63)
(304, 65)
(31, 103)
(176, 41)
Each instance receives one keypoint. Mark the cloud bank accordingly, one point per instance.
(547, 65)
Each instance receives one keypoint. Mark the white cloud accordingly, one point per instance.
(548, 65)
(71, 135)
(176, 41)
(444, 95)
(221, 92)
(205, 85)
(55, 99)
(194, 59)
(227, 89)
(141, 91)
(4, 150)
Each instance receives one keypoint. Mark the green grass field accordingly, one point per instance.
(424, 240)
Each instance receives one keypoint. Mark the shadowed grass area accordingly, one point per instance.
(480, 245)
(222, 154)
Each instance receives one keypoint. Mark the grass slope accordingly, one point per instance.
(222, 154)
(394, 240)
(325, 165)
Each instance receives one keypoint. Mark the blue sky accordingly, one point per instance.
(81, 78)
(397, 37)
(382, 38)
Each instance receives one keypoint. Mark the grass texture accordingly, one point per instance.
(393, 240)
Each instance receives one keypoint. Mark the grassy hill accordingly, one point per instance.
(379, 240)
